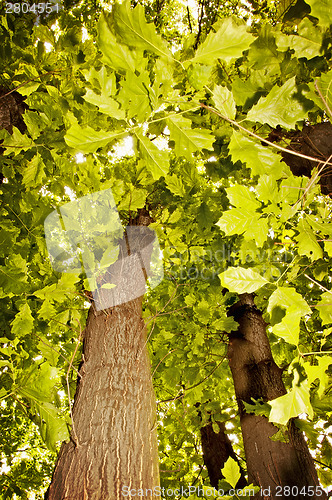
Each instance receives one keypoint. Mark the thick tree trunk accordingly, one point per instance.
(272, 465)
(113, 447)
(217, 448)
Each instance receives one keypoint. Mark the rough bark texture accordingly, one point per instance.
(12, 107)
(217, 448)
(270, 464)
(314, 141)
(114, 443)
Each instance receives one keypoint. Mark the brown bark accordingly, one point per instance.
(314, 141)
(217, 448)
(113, 443)
(270, 464)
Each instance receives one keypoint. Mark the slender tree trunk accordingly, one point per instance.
(272, 465)
(113, 445)
(217, 448)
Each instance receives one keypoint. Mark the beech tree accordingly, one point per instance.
(217, 137)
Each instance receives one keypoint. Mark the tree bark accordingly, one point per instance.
(217, 448)
(113, 446)
(272, 465)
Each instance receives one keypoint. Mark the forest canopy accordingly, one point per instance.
(210, 124)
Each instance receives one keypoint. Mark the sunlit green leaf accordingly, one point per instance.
(131, 28)
(278, 107)
(231, 472)
(292, 404)
(241, 280)
(154, 159)
(23, 322)
(88, 140)
(322, 10)
(324, 307)
(224, 101)
(228, 42)
(187, 139)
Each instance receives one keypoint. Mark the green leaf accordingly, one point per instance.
(236, 220)
(199, 75)
(322, 10)
(287, 297)
(241, 196)
(328, 248)
(134, 95)
(115, 55)
(241, 280)
(289, 327)
(258, 408)
(103, 100)
(131, 28)
(260, 159)
(47, 310)
(307, 242)
(17, 142)
(292, 404)
(325, 308)
(33, 173)
(279, 107)
(133, 199)
(224, 101)
(88, 140)
(267, 189)
(225, 324)
(13, 276)
(245, 91)
(110, 256)
(318, 372)
(231, 472)
(23, 323)
(154, 159)
(188, 140)
(324, 84)
(242, 221)
(263, 54)
(175, 185)
(306, 43)
(227, 43)
(50, 354)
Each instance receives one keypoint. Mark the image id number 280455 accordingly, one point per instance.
(36, 8)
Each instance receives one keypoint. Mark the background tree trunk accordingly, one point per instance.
(217, 448)
(270, 463)
(113, 443)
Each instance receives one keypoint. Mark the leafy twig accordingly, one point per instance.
(236, 124)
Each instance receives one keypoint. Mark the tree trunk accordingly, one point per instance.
(272, 465)
(217, 448)
(113, 447)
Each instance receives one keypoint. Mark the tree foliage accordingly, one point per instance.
(184, 130)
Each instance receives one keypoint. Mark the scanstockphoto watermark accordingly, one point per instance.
(184, 491)
(205, 264)
(87, 235)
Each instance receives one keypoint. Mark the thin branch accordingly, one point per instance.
(170, 352)
(236, 124)
(318, 284)
(323, 98)
(58, 352)
(31, 80)
(189, 21)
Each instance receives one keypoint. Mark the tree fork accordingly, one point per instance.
(113, 446)
(270, 464)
